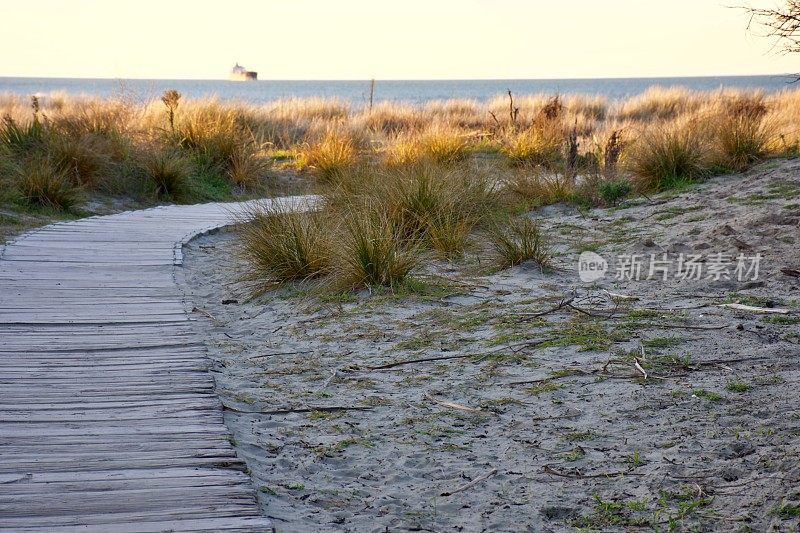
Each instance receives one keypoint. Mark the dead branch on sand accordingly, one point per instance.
(471, 483)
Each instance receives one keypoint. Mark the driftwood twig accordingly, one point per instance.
(453, 405)
(472, 483)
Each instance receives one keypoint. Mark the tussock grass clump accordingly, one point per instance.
(21, 138)
(83, 158)
(402, 151)
(297, 109)
(219, 141)
(109, 118)
(441, 145)
(245, 167)
(516, 241)
(427, 202)
(541, 144)
(280, 246)
(437, 203)
(168, 172)
(449, 229)
(670, 155)
(331, 157)
(438, 145)
(661, 103)
(392, 118)
(412, 198)
(537, 188)
(373, 250)
(205, 128)
(742, 132)
(38, 182)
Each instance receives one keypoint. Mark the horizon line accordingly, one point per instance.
(118, 78)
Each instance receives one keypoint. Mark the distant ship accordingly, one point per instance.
(239, 73)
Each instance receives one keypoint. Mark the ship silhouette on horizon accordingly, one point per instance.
(239, 73)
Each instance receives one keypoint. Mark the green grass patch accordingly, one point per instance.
(663, 342)
(737, 386)
(708, 395)
(542, 388)
(781, 320)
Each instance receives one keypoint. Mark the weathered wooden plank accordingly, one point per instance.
(122, 474)
(144, 523)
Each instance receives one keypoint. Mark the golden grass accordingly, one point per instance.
(743, 133)
(540, 144)
(671, 155)
(670, 132)
(661, 103)
(329, 158)
(83, 158)
(278, 246)
(535, 188)
(372, 250)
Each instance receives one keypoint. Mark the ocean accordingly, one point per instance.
(357, 92)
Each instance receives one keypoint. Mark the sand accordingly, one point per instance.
(707, 442)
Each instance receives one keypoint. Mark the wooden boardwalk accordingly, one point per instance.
(108, 417)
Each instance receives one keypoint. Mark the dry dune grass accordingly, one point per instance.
(99, 144)
(401, 182)
(378, 225)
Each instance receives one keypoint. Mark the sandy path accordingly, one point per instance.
(708, 441)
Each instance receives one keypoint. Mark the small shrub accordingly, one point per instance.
(612, 191)
(373, 251)
(168, 172)
(518, 240)
(611, 153)
(737, 386)
(669, 156)
(328, 159)
(38, 182)
(280, 246)
(170, 98)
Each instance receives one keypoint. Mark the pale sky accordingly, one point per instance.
(363, 39)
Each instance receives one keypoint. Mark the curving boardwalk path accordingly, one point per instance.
(108, 417)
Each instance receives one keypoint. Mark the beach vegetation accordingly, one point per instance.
(330, 157)
(39, 183)
(670, 155)
(517, 240)
(372, 249)
(278, 246)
